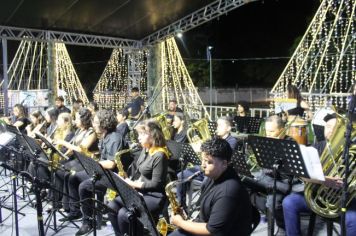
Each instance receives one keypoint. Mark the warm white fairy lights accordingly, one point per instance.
(125, 69)
(177, 83)
(323, 65)
(29, 71)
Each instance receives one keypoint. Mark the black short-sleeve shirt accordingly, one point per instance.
(225, 206)
(110, 144)
(135, 105)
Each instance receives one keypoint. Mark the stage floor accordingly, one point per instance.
(28, 223)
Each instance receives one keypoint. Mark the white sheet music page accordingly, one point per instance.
(312, 162)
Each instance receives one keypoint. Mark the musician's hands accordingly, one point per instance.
(135, 184)
(333, 182)
(176, 219)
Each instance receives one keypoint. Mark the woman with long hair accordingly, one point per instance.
(148, 177)
(302, 105)
(37, 124)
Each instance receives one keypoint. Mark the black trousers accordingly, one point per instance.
(120, 221)
(73, 189)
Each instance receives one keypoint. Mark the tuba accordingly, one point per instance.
(198, 132)
(162, 121)
(321, 199)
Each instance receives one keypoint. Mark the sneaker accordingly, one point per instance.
(85, 229)
(70, 218)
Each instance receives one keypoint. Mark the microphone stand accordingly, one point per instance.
(345, 156)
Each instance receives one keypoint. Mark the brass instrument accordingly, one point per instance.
(321, 199)
(111, 194)
(162, 226)
(162, 121)
(198, 133)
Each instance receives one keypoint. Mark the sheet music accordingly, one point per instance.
(284, 104)
(312, 162)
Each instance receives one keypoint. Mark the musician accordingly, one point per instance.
(149, 176)
(19, 119)
(123, 127)
(274, 129)
(84, 140)
(135, 107)
(77, 104)
(241, 119)
(93, 107)
(172, 110)
(51, 116)
(180, 132)
(295, 204)
(302, 105)
(223, 131)
(104, 124)
(225, 207)
(59, 102)
(37, 124)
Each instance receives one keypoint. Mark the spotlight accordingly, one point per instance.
(210, 47)
(179, 34)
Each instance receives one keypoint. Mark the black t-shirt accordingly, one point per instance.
(180, 137)
(298, 111)
(135, 105)
(123, 129)
(225, 206)
(110, 144)
(63, 109)
(24, 121)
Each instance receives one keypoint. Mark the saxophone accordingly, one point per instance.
(111, 194)
(321, 199)
(162, 226)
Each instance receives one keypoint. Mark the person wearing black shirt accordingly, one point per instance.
(122, 127)
(60, 105)
(294, 204)
(135, 107)
(241, 119)
(225, 207)
(79, 184)
(302, 105)
(148, 176)
(19, 119)
(180, 133)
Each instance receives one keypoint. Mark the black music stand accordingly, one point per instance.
(212, 127)
(54, 209)
(280, 156)
(254, 124)
(130, 197)
(189, 155)
(240, 165)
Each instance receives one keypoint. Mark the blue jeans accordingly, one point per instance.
(295, 203)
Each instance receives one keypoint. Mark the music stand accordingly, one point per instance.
(254, 125)
(130, 197)
(189, 155)
(278, 155)
(240, 165)
(212, 127)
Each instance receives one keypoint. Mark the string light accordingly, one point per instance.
(323, 65)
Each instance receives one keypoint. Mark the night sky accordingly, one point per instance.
(270, 28)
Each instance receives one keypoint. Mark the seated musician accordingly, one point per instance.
(149, 176)
(104, 124)
(224, 125)
(85, 141)
(93, 108)
(19, 118)
(274, 129)
(123, 127)
(225, 207)
(302, 105)
(295, 204)
(61, 108)
(180, 132)
(37, 124)
(172, 110)
(240, 119)
(51, 116)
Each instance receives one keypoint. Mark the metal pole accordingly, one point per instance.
(5, 76)
(211, 79)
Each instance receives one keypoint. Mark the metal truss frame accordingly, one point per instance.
(17, 33)
(199, 17)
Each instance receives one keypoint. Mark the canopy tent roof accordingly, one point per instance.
(131, 19)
